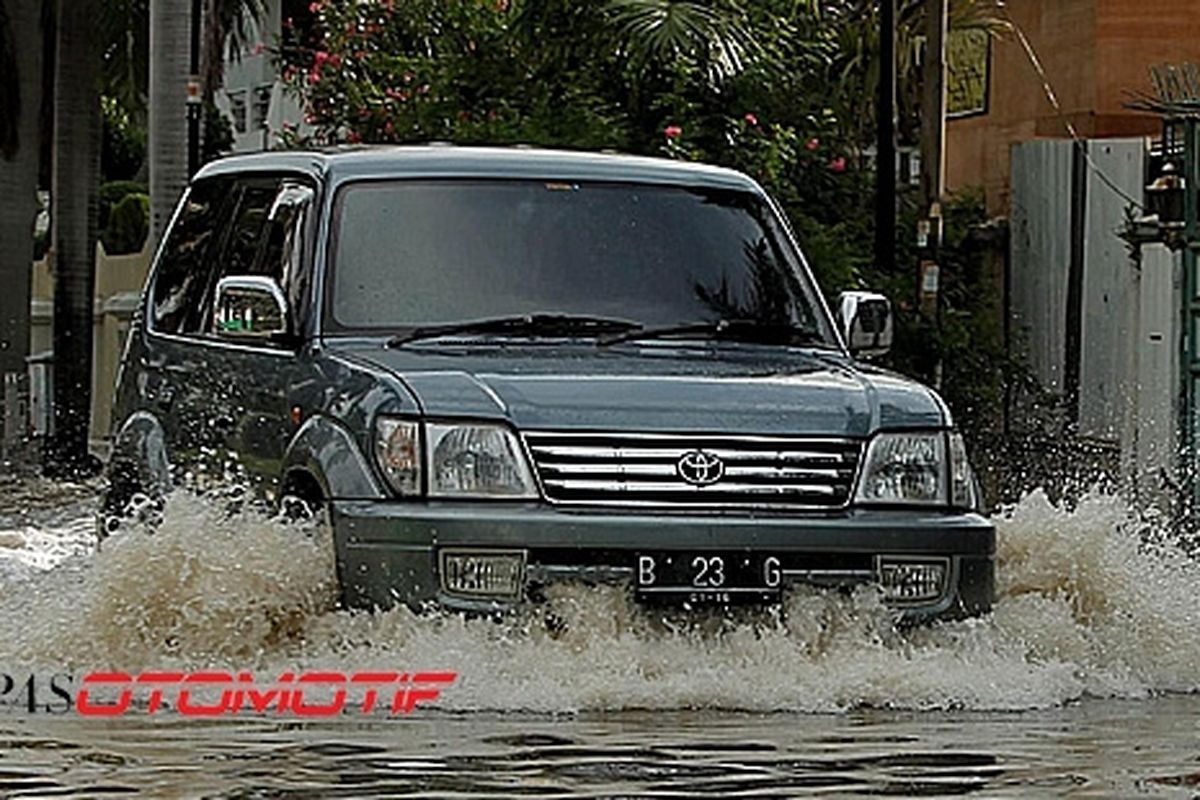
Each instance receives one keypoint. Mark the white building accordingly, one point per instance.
(253, 96)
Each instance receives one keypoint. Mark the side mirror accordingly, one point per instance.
(866, 322)
(249, 307)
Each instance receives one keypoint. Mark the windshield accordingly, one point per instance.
(420, 253)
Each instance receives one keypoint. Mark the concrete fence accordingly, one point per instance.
(119, 281)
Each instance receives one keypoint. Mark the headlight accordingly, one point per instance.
(398, 452)
(904, 468)
(477, 460)
(460, 460)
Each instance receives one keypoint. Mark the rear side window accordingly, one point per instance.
(184, 266)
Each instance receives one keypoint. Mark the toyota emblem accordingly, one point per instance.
(700, 468)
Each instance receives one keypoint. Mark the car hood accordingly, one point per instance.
(718, 388)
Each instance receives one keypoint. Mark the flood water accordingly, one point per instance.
(1082, 682)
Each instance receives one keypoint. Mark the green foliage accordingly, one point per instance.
(124, 28)
(966, 336)
(112, 193)
(128, 225)
(123, 147)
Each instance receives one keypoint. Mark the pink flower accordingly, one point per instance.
(751, 119)
(353, 137)
(314, 76)
(258, 49)
(408, 77)
(812, 144)
(672, 131)
(838, 164)
(335, 61)
(320, 58)
(314, 6)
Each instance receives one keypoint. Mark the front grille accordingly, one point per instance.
(646, 469)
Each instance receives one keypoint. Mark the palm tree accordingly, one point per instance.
(75, 175)
(20, 115)
(170, 25)
(657, 31)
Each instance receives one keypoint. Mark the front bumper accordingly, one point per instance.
(387, 552)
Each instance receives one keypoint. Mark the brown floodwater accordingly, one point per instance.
(1082, 682)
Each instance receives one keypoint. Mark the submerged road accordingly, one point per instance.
(1081, 683)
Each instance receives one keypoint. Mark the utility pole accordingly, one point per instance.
(933, 163)
(193, 93)
(1190, 423)
(885, 156)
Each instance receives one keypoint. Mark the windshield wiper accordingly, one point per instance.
(525, 324)
(744, 330)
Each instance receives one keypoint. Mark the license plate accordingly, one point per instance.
(708, 577)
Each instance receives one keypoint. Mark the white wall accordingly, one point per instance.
(245, 78)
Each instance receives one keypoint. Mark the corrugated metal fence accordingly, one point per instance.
(1096, 321)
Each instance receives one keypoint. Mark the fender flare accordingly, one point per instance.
(325, 450)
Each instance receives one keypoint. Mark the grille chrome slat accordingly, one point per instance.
(757, 471)
(621, 453)
(725, 488)
(660, 470)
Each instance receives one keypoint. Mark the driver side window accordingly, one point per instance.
(264, 236)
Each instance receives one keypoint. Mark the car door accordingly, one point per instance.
(171, 360)
(248, 382)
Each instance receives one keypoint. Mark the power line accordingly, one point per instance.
(1080, 142)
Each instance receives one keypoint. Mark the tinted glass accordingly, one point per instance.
(415, 253)
(246, 234)
(258, 239)
(184, 268)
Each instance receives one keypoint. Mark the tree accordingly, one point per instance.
(20, 148)
(170, 24)
(225, 22)
(126, 31)
(74, 185)
(856, 65)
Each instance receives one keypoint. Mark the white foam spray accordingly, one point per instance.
(1087, 607)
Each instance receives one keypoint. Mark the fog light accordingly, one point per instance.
(483, 574)
(907, 581)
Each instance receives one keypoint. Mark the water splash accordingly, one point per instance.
(1088, 606)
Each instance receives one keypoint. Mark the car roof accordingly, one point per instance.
(450, 161)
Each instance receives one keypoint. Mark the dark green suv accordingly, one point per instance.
(494, 369)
